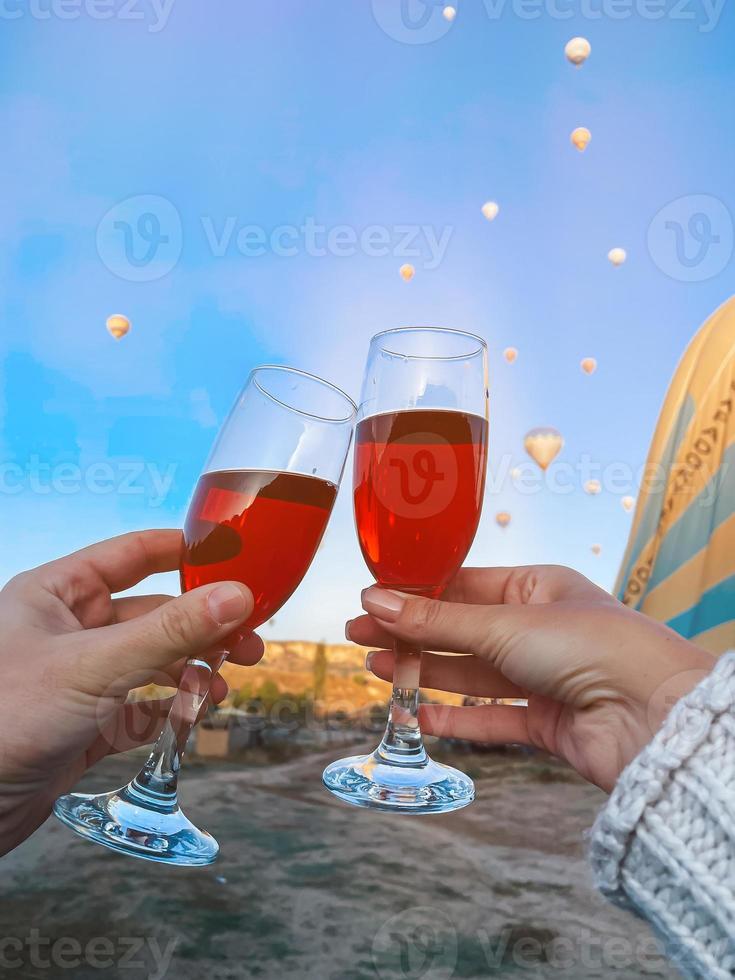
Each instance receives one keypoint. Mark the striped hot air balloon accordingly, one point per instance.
(679, 566)
(117, 325)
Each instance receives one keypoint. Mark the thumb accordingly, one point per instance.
(433, 624)
(188, 626)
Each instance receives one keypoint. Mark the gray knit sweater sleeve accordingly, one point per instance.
(664, 845)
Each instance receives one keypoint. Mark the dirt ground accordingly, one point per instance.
(307, 887)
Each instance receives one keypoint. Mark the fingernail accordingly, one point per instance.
(382, 603)
(227, 604)
(369, 660)
(347, 629)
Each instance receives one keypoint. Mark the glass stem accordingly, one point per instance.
(402, 743)
(157, 781)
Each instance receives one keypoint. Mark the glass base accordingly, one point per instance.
(130, 821)
(375, 782)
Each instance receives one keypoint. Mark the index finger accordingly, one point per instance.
(486, 586)
(471, 586)
(124, 561)
(520, 584)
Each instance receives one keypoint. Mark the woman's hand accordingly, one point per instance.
(599, 678)
(70, 654)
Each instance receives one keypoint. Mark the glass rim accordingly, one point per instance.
(481, 342)
(286, 369)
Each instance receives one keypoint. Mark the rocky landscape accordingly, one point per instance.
(307, 887)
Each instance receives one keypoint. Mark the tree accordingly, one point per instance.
(320, 671)
(269, 692)
(243, 695)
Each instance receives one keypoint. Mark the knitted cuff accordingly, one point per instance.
(664, 845)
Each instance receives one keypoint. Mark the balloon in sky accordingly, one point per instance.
(592, 487)
(407, 272)
(581, 138)
(502, 518)
(490, 209)
(596, 549)
(510, 354)
(543, 445)
(679, 566)
(628, 504)
(578, 50)
(515, 473)
(118, 325)
(588, 365)
(617, 256)
(449, 13)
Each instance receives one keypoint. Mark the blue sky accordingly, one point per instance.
(224, 117)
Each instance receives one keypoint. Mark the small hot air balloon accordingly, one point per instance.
(449, 13)
(490, 210)
(588, 365)
(617, 256)
(515, 473)
(502, 519)
(581, 138)
(407, 272)
(596, 549)
(592, 487)
(118, 325)
(510, 354)
(578, 50)
(543, 445)
(628, 504)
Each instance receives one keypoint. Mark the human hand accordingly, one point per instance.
(70, 654)
(599, 677)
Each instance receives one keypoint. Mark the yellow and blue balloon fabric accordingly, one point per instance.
(679, 566)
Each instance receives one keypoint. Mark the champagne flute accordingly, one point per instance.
(257, 516)
(419, 477)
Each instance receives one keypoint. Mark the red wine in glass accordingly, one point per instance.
(257, 516)
(257, 527)
(418, 483)
(419, 476)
